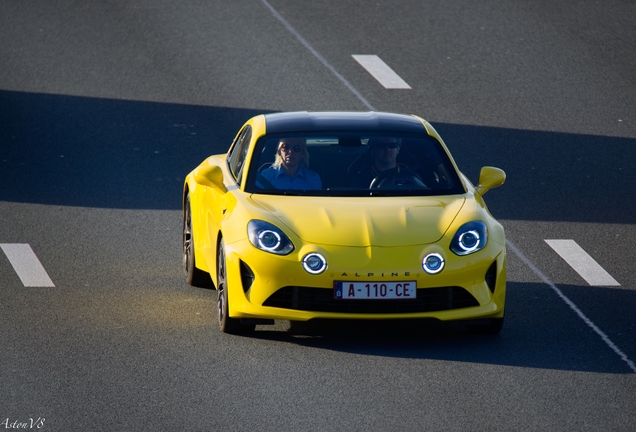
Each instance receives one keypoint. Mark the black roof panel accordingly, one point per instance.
(303, 121)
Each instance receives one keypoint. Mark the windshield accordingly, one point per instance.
(352, 164)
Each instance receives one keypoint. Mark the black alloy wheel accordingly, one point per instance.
(194, 276)
(227, 324)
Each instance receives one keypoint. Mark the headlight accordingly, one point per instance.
(470, 238)
(314, 263)
(269, 238)
(433, 263)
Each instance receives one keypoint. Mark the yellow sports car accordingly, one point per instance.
(343, 215)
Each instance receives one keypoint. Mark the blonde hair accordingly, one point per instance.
(305, 154)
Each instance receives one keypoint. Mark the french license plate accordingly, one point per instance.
(403, 290)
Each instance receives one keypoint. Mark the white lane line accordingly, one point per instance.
(381, 71)
(27, 265)
(582, 263)
(316, 54)
(572, 306)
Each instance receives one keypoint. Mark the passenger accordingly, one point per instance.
(289, 170)
(383, 152)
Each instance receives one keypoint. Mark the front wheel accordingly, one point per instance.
(227, 324)
(194, 276)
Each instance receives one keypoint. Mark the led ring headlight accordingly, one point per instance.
(269, 240)
(314, 263)
(469, 241)
(268, 237)
(433, 263)
(469, 238)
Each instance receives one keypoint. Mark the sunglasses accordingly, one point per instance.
(296, 148)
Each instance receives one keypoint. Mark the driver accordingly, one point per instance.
(383, 151)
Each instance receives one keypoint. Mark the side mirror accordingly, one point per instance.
(490, 177)
(210, 176)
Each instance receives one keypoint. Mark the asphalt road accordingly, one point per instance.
(106, 106)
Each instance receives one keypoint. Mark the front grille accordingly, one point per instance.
(322, 300)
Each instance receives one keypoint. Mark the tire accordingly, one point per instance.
(227, 324)
(490, 326)
(193, 275)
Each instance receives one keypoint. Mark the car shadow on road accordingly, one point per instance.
(540, 331)
(551, 176)
(106, 153)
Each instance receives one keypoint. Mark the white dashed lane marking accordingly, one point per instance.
(582, 263)
(573, 306)
(316, 54)
(27, 265)
(381, 71)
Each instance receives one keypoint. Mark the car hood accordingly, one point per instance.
(391, 221)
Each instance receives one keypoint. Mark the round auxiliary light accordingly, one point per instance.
(314, 263)
(469, 241)
(433, 263)
(269, 240)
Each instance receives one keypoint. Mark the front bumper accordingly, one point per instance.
(263, 285)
